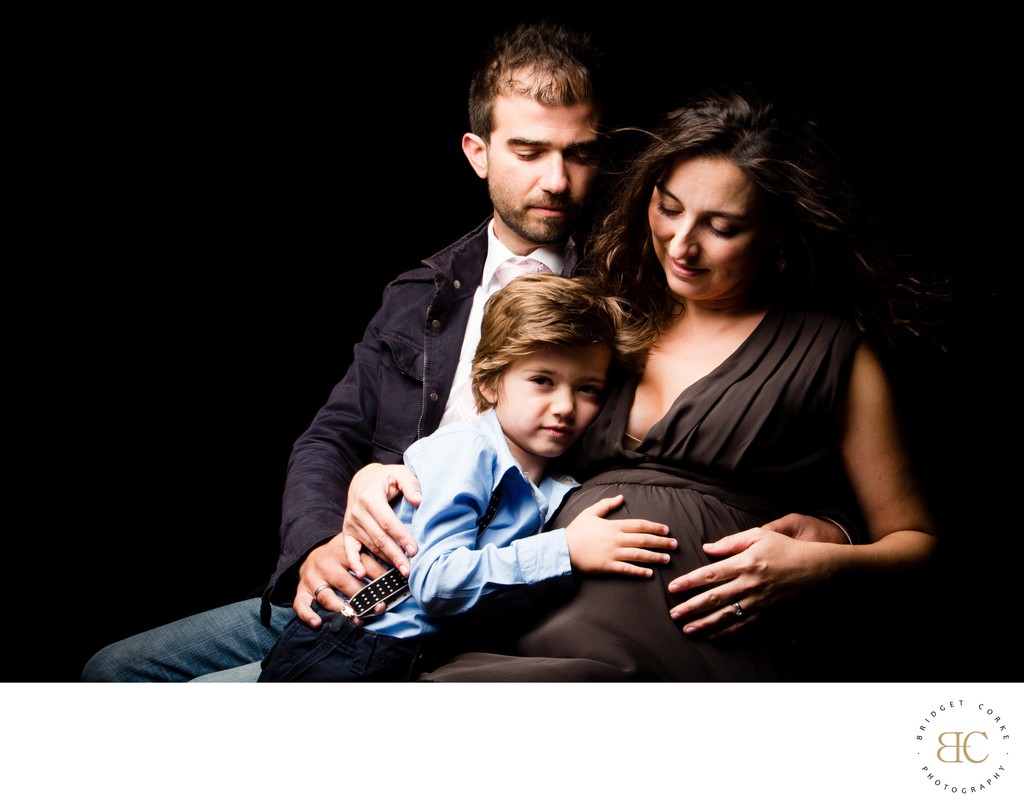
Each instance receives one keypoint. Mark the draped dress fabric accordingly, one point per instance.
(753, 440)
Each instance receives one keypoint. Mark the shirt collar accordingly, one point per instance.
(552, 489)
(498, 252)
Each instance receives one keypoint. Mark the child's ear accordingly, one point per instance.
(489, 392)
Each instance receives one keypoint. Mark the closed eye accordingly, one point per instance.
(721, 232)
(585, 154)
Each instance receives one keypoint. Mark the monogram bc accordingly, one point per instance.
(959, 739)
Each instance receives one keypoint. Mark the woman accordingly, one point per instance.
(762, 394)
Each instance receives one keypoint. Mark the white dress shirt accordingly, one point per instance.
(496, 254)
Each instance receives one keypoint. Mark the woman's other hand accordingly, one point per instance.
(758, 569)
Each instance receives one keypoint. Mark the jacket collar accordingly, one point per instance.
(463, 261)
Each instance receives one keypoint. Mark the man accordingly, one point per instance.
(534, 118)
(534, 111)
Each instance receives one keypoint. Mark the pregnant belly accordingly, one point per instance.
(623, 623)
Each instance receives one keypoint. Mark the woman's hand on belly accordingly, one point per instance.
(760, 568)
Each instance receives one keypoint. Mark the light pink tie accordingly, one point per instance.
(465, 407)
(510, 269)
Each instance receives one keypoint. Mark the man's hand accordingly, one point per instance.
(324, 576)
(808, 528)
(370, 520)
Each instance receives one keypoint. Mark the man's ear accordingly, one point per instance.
(476, 152)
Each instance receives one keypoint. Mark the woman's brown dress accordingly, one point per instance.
(751, 441)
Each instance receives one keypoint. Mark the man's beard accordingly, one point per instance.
(537, 230)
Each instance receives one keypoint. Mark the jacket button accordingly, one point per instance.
(435, 324)
(433, 395)
(456, 284)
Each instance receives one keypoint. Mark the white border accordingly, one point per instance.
(483, 744)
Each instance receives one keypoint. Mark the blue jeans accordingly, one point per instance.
(340, 652)
(223, 644)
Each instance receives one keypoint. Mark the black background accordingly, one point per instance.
(216, 205)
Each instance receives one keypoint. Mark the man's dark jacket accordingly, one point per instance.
(393, 393)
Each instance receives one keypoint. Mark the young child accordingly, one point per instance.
(548, 344)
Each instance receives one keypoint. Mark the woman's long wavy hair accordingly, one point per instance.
(828, 263)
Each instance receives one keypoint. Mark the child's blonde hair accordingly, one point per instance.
(538, 311)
